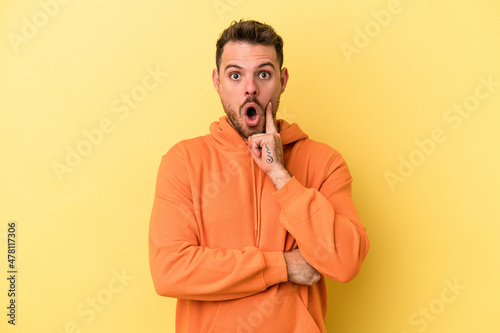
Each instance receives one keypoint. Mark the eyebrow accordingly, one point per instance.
(260, 66)
(266, 64)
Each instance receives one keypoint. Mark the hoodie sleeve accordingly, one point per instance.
(325, 222)
(180, 267)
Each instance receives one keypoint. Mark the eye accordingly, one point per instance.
(264, 75)
(234, 76)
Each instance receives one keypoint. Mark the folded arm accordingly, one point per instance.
(325, 223)
(180, 267)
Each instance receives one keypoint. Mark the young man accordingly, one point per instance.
(249, 219)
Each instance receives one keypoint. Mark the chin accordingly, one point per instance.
(259, 129)
(246, 131)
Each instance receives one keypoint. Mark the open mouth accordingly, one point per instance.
(251, 113)
(251, 116)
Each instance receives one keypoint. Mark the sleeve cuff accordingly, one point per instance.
(289, 194)
(275, 271)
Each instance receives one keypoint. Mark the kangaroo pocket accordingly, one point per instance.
(275, 310)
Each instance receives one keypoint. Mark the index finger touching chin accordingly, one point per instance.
(270, 126)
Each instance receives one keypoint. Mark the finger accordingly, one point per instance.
(249, 145)
(256, 150)
(270, 126)
(254, 147)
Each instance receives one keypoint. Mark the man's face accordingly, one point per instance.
(249, 78)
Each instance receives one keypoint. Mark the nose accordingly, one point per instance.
(250, 87)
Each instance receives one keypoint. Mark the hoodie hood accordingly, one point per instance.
(228, 139)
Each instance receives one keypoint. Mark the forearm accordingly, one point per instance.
(193, 272)
(332, 243)
(280, 177)
(299, 270)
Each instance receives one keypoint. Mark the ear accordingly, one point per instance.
(215, 79)
(284, 79)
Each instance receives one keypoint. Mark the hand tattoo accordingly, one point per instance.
(269, 158)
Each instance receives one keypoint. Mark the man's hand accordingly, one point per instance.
(267, 151)
(299, 270)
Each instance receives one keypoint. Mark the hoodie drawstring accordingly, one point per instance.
(257, 194)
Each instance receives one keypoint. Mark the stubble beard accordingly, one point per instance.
(237, 121)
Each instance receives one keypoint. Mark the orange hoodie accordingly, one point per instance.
(219, 228)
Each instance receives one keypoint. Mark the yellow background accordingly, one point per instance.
(76, 232)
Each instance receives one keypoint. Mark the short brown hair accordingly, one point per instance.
(252, 32)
